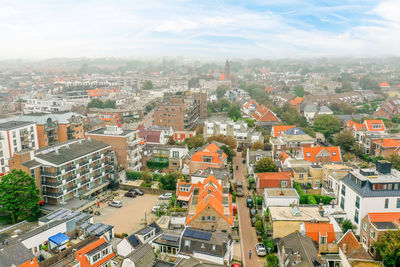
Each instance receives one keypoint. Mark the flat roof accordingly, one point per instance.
(304, 214)
(281, 192)
(10, 125)
(102, 131)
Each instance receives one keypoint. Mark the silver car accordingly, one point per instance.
(260, 249)
(115, 204)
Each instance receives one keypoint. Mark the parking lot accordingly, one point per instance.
(131, 216)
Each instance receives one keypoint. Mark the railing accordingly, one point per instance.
(73, 177)
(70, 188)
(54, 184)
(51, 194)
(52, 174)
(85, 182)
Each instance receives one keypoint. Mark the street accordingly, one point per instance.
(248, 234)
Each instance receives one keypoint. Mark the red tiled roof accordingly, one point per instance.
(280, 129)
(263, 114)
(30, 263)
(310, 153)
(296, 101)
(384, 84)
(273, 179)
(369, 123)
(314, 230)
(251, 102)
(80, 254)
(384, 217)
(209, 151)
(351, 242)
(354, 125)
(388, 142)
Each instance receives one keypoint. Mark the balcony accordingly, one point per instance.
(51, 184)
(134, 142)
(70, 188)
(51, 174)
(85, 182)
(69, 179)
(84, 172)
(52, 194)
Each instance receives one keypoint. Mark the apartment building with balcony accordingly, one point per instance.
(16, 136)
(46, 105)
(125, 143)
(74, 169)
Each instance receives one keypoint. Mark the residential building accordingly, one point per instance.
(16, 254)
(318, 154)
(252, 157)
(238, 130)
(178, 157)
(368, 190)
(385, 147)
(265, 117)
(144, 256)
(388, 109)
(181, 136)
(279, 197)
(295, 249)
(168, 243)
(373, 225)
(97, 253)
(277, 130)
(311, 174)
(367, 132)
(125, 144)
(272, 180)
(181, 111)
(312, 111)
(286, 220)
(46, 105)
(353, 254)
(208, 156)
(152, 137)
(70, 170)
(213, 247)
(250, 107)
(291, 142)
(16, 136)
(323, 234)
(209, 207)
(223, 176)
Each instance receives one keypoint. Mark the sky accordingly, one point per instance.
(199, 29)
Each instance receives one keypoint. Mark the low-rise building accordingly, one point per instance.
(291, 142)
(46, 105)
(280, 197)
(97, 253)
(265, 117)
(318, 154)
(208, 156)
(385, 147)
(273, 180)
(252, 157)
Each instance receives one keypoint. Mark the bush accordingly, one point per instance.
(133, 175)
(311, 200)
(234, 195)
(272, 261)
(251, 181)
(151, 164)
(124, 234)
(299, 190)
(156, 176)
(323, 199)
(144, 184)
(258, 200)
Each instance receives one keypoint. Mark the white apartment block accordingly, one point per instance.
(14, 137)
(238, 130)
(49, 105)
(368, 190)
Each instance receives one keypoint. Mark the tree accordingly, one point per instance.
(265, 165)
(171, 141)
(146, 177)
(221, 90)
(299, 90)
(95, 103)
(345, 140)
(147, 85)
(388, 246)
(272, 261)
(395, 160)
(234, 112)
(229, 152)
(369, 82)
(250, 122)
(19, 197)
(257, 146)
(347, 157)
(227, 140)
(168, 181)
(347, 225)
(195, 141)
(110, 104)
(327, 125)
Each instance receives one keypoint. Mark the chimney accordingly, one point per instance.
(56, 151)
(384, 166)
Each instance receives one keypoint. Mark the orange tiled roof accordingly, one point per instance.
(384, 84)
(183, 193)
(273, 179)
(354, 125)
(209, 151)
(284, 156)
(310, 153)
(368, 125)
(384, 217)
(269, 89)
(296, 101)
(351, 242)
(222, 77)
(251, 102)
(279, 129)
(313, 231)
(264, 114)
(29, 264)
(80, 254)
(388, 142)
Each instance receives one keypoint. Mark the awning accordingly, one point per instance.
(58, 239)
(183, 198)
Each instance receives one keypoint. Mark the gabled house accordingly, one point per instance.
(277, 130)
(97, 253)
(272, 180)
(144, 256)
(386, 147)
(249, 107)
(16, 254)
(318, 154)
(265, 117)
(252, 157)
(291, 142)
(323, 234)
(209, 207)
(367, 132)
(153, 137)
(208, 156)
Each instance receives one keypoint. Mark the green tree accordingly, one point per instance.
(369, 82)
(95, 103)
(19, 197)
(168, 181)
(195, 141)
(110, 104)
(327, 125)
(229, 152)
(272, 261)
(171, 141)
(250, 122)
(388, 246)
(147, 85)
(227, 140)
(146, 177)
(299, 90)
(265, 165)
(257, 146)
(395, 160)
(234, 112)
(345, 140)
(221, 90)
(347, 225)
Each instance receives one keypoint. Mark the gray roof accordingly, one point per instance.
(193, 262)
(304, 245)
(143, 256)
(31, 164)
(76, 150)
(310, 108)
(98, 249)
(102, 130)
(10, 125)
(325, 109)
(14, 255)
(62, 118)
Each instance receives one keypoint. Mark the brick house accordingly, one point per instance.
(291, 141)
(273, 180)
(367, 132)
(385, 147)
(209, 156)
(320, 154)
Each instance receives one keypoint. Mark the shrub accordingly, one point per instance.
(151, 164)
(133, 175)
(311, 200)
(124, 234)
(298, 188)
(144, 184)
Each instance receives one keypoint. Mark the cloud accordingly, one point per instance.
(198, 29)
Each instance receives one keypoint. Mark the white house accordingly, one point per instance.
(368, 190)
(282, 197)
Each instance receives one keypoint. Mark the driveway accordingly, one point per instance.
(248, 234)
(131, 216)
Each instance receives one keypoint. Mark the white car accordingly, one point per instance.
(115, 204)
(165, 196)
(158, 208)
(260, 249)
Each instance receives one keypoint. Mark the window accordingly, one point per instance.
(284, 183)
(386, 203)
(96, 257)
(364, 226)
(356, 216)
(187, 243)
(343, 190)
(396, 186)
(105, 252)
(357, 202)
(301, 176)
(364, 239)
(322, 239)
(372, 234)
(175, 154)
(398, 203)
(342, 203)
(203, 218)
(213, 218)
(207, 159)
(208, 218)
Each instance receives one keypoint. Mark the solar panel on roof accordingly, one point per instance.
(84, 225)
(93, 227)
(56, 214)
(101, 229)
(171, 238)
(80, 217)
(197, 234)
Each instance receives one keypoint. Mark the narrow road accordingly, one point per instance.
(248, 234)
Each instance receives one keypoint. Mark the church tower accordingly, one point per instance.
(227, 71)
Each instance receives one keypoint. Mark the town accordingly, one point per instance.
(240, 163)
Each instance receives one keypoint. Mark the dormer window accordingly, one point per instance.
(207, 159)
(308, 154)
(376, 126)
(334, 153)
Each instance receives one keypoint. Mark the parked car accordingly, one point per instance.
(236, 265)
(131, 194)
(239, 184)
(115, 204)
(165, 196)
(253, 221)
(252, 212)
(158, 208)
(137, 191)
(260, 249)
(239, 192)
(249, 202)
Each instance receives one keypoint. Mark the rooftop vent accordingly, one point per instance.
(384, 166)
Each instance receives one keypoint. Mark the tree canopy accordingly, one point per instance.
(345, 140)
(221, 90)
(347, 225)
(290, 115)
(388, 246)
(265, 165)
(299, 90)
(257, 146)
(19, 197)
(147, 85)
(234, 112)
(227, 140)
(169, 180)
(327, 125)
(97, 103)
(229, 152)
(195, 141)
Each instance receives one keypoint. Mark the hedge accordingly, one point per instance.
(298, 188)
(315, 199)
(151, 164)
(133, 175)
